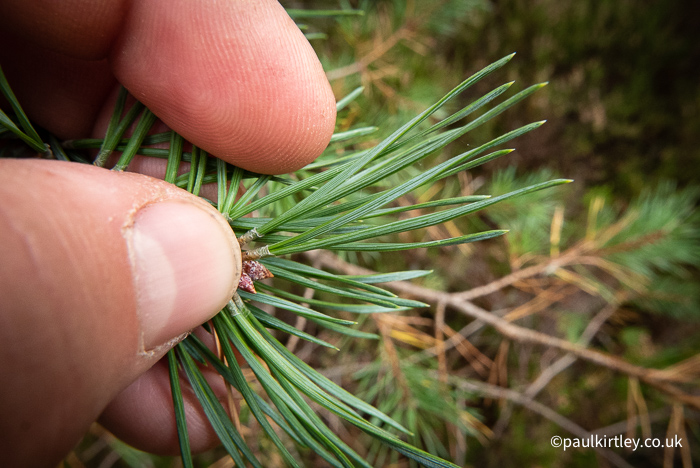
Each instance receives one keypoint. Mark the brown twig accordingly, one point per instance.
(622, 426)
(392, 355)
(366, 60)
(538, 408)
(565, 361)
(658, 378)
(476, 359)
(440, 340)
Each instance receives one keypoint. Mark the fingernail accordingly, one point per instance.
(185, 263)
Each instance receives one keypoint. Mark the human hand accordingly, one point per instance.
(102, 271)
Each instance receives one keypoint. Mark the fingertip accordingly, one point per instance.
(143, 416)
(60, 93)
(81, 29)
(237, 79)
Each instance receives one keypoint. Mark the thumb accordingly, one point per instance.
(101, 273)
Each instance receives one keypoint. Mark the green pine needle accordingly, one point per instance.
(294, 13)
(147, 120)
(27, 132)
(180, 419)
(344, 201)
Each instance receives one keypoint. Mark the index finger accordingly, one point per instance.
(236, 78)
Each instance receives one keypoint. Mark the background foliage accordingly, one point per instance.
(608, 263)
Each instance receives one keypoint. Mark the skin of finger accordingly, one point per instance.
(143, 415)
(238, 79)
(64, 356)
(150, 166)
(60, 93)
(82, 29)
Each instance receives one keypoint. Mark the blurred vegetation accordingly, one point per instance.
(623, 111)
(623, 104)
(609, 263)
